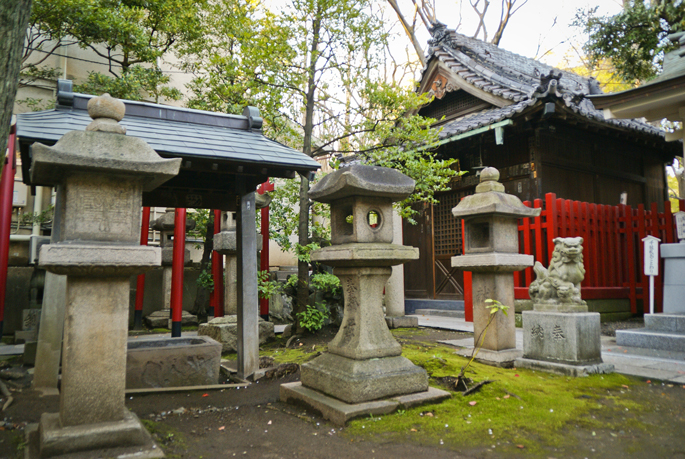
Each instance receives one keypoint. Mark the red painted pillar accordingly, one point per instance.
(140, 286)
(264, 258)
(468, 290)
(177, 272)
(216, 307)
(6, 195)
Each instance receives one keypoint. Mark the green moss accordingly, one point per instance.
(546, 406)
(297, 355)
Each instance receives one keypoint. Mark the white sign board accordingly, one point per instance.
(680, 224)
(651, 257)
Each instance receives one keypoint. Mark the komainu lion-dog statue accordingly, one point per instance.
(561, 282)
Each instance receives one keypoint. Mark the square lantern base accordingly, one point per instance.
(504, 358)
(357, 381)
(339, 412)
(123, 439)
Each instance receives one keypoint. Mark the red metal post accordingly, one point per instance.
(140, 286)
(468, 286)
(264, 256)
(217, 275)
(177, 272)
(6, 195)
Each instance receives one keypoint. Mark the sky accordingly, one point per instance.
(540, 27)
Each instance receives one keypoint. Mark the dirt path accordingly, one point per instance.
(251, 422)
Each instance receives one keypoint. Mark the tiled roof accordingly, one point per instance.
(176, 132)
(515, 78)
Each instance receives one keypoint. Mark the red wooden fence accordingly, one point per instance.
(612, 246)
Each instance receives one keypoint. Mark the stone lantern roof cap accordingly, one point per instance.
(360, 180)
(490, 199)
(166, 222)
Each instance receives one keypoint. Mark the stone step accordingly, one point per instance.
(651, 339)
(439, 312)
(665, 322)
(412, 304)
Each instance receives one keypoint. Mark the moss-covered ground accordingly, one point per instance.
(521, 413)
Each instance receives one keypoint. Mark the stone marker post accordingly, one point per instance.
(492, 254)
(364, 361)
(560, 335)
(100, 175)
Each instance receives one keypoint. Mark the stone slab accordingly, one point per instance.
(365, 254)
(225, 331)
(665, 322)
(653, 339)
(172, 362)
(564, 368)
(440, 312)
(99, 260)
(162, 319)
(339, 412)
(357, 381)
(504, 358)
(123, 439)
(493, 262)
(570, 338)
(402, 322)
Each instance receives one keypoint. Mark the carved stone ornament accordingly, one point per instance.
(441, 86)
(560, 284)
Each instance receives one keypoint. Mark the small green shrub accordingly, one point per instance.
(313, 317)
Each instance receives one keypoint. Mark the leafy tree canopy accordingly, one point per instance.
(131, 35)
(635, 39)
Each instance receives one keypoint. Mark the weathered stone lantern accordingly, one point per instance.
(364, 361)
(165, 224)
(100, 175)
(492, 254)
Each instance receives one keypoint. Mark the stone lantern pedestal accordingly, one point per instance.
(363, 371)
(492, 254)
(100, 176)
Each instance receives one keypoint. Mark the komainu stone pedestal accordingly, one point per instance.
(562, 343)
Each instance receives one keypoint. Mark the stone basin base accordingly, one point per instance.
(172, 362)
(356, 381)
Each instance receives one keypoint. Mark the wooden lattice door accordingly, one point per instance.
(447, 242)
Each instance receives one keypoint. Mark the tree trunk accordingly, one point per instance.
(14, 17)
(303, 223)
(410, 31)
(202, 295)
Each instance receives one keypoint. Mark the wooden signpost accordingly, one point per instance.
(651, 260)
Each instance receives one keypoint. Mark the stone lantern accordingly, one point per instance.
(100, 175)
(165, 225)
(364, 361)
(492, 254)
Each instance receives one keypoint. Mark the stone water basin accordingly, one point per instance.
(172, 362)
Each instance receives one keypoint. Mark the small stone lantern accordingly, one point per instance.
(492, 254)
(364, 360)
(100, 175)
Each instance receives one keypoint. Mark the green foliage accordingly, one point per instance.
(635, 39)
(206, 280)
(201, 217)
(496, 306)
(42, 218)
(267, 288)
(313, 317)
(134, 83)
(326, 282)
(129, 34)
(283, 219)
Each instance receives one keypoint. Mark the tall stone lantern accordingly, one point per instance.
(492, 254)
(100, 175)
(364, 361)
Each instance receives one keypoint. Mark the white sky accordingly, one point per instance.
(532, 31)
